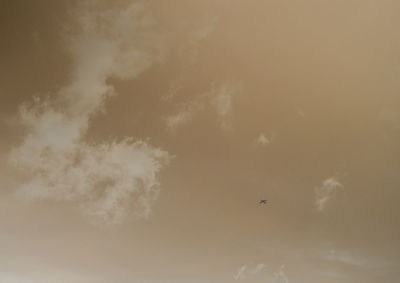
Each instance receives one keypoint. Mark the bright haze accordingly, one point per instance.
(139, 138)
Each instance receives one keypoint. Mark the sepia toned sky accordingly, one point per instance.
(138, 137)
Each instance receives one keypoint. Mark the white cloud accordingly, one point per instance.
(326, 191)
(197, 36)
(222, 98)
(219, 98)
(344, 257)
(264, 140)
(257, 268)
(240, 274)
(280, 276)
(246, 270)
(185, 114)
(108, 180)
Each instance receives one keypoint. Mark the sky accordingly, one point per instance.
(138, 137)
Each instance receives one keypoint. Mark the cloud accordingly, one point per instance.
(222, 99)
(246, 270)
(240, 274)
(324, 262)
(198, 35)
(108, 180)
(280, 276)
(184, 115)
(344, 257)
(218, 98)
(326, 191)
(257, 269)
(264, 140)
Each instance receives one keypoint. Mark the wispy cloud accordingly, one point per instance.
(319, 263)
(218, 98)
(184, 115)
(264, 139)
(222, 97)
(198, 35)
(241, 273)
(280, 276)
(246, 270)
(344, 257)
(326, 191)
(108, 180)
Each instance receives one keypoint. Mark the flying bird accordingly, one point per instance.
(263, 201)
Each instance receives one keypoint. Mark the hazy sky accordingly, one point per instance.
(137, 138)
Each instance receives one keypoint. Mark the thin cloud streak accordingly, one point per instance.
(186, 113)
(326, 192)
(222, 98)
(247, 270)
(218, 98)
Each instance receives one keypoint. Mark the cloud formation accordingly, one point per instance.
(197, 36)
(344, 257)
(264, 140)
(246, 270)
(184, 115)
(222, 98)
(108, 180)
(218, 98)
(326, 191)
(280, 276)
